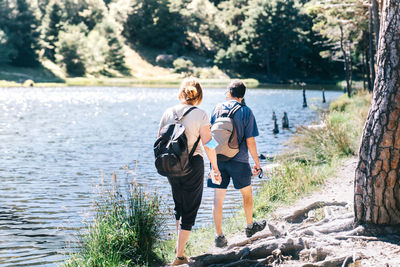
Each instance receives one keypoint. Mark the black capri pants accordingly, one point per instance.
(187, 192)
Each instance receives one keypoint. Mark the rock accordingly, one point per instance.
(165, 59)
(29, 83)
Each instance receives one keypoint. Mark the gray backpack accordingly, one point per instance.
(224, 132)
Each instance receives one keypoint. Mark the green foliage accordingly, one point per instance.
(337, 136)
(152, 23)
(104, 50)
(20, 24)
(183, 66)
(125, 231)
(70, 51)
(115, 58)
(274, 37)
(52, 24)
(89, 12)
(6, 52)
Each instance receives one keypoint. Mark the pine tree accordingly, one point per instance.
(24, 35)
(52, 25)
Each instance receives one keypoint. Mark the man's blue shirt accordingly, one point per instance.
(246, 127)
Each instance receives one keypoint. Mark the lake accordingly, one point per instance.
(56, 142)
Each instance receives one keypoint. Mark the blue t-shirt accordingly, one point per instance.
(246, 127)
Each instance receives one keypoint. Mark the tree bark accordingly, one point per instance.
(377, 177)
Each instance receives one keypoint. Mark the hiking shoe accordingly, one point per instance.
(180, 261)
(220, 241)
(256, 227)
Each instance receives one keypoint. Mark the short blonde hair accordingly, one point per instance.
(191, 91)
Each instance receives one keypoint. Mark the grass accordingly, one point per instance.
(125, 231)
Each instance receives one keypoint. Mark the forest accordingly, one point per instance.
(270, 40)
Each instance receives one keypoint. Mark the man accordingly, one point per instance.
(237, 168)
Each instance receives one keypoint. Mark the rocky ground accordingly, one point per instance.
(317, 231)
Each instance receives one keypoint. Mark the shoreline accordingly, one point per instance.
(173, 82)
(125, 82)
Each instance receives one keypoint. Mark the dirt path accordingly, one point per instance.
(324, 237)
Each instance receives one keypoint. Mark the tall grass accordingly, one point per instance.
(125, 231)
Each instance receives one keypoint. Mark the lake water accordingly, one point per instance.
(56, 142)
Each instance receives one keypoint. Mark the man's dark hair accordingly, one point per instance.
(237, 89)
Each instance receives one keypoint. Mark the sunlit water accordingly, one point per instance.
(55, 142)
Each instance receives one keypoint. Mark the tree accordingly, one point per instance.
(70, 49)
(342, 22)
(52, 24)
(89, 12)
(152, 23)
(23, 34)
(6, 52)
(275, 38)
(377, 177)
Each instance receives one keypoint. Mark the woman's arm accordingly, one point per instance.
(205, 136)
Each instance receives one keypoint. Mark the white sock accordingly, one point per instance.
(250, 226)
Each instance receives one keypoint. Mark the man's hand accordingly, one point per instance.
(256, 169)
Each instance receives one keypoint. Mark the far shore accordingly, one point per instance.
(166, 82)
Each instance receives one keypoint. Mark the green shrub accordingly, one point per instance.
(70, 51)
(125, 230)
(183, 66)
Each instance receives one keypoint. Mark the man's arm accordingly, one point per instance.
(251, 145)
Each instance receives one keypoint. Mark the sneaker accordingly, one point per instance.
(220, 241)
(256, 227)
(180, 261)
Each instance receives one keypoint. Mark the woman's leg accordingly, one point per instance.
(192, 191)
(183, 237)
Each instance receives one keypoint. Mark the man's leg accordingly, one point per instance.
(219, 196)
(247, 195)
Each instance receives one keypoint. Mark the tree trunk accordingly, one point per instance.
(368, 71)
(377, 177)
(375, 8)
(371, 48)
(346, 62)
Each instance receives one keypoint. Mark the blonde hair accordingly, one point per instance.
(191, 91)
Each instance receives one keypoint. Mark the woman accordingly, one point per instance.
(188, 190)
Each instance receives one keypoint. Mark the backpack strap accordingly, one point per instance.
(198, 139)
(194, 147)
(184, 113)
(233, 110)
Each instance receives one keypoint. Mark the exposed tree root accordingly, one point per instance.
(299, 215)
(313, 243)
(334, 262)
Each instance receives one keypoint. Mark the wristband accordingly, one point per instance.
(212, 144)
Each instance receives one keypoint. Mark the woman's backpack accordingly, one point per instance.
(224, 132)
(171, 149)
